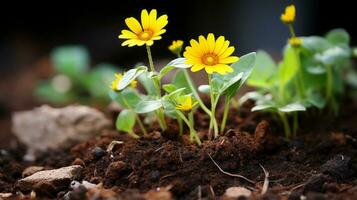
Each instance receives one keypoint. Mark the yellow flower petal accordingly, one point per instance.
(145, 20)
(133, 25)
(125, 34)
(152, 17)
(227, 52)
(219, 45)
(211, 42)
(203, 43)
(229, 60)
(160, 23)
(222, 69)
(150, 43)
(196, 68)
(224, 47)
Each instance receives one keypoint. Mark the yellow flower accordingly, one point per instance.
(185, 103)
(149, 30)
(118, 77)
(176, 46)
(295, 41)
(210, 54)
(288, 16)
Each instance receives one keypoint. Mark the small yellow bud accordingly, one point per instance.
(288, 16)
(176, 47)
(185, 104)
(295, 41)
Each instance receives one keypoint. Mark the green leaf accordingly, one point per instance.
(263, 107)
(316, 100)
(130, 76)
(126, 120)
(165, 70)
(315, 44)
(148, 83)
(289, 67)
(292, 107)
(334, 55)
(338, 36)
(169, 88)
(98, 80)
(263, 70)
(180, 81)
(179, 63)
(231, 82)
(351, 78)
(46, 92)
(127, 98)
(204, 89)
(145, 106)
(72, 61)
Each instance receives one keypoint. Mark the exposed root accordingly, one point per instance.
(230, 174)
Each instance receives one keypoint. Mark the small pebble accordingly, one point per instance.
(98, 152)
(338, 167)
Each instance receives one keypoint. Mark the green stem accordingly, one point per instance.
(291, 29)
(285, 121)
(213, 121)
(151, 63)
(161, 117)
(300, 72)
(329, 83)
(132, 134)
(297, 87)
(141, 125)
(159, 113)
(195, 93)
(225, 114)
(179, 121)
(189, 123)
(330, 97)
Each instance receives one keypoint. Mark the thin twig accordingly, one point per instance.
(199, 193)
(266, 180)
(158, 149)
(230, 174)
(296, 187)
(212, 192)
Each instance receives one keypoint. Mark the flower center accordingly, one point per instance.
(210, 59)
(145, 35)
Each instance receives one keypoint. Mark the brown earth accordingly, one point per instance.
(320, 163)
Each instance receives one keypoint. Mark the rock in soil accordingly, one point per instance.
(46, 127)
(339, 167)
(158, 195)
(237, 192)
(116, 169)
(51, 180)
(31, 170)
(98, 152)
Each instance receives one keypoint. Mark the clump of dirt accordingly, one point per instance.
(148, 163)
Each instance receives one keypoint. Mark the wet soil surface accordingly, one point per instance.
(320, 163)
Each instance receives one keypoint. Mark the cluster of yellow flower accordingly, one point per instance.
(206, 53)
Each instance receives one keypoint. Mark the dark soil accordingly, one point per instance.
(320, 164)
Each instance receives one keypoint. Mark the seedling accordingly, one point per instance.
(73, 80)
(310, 75)
(181, 96)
